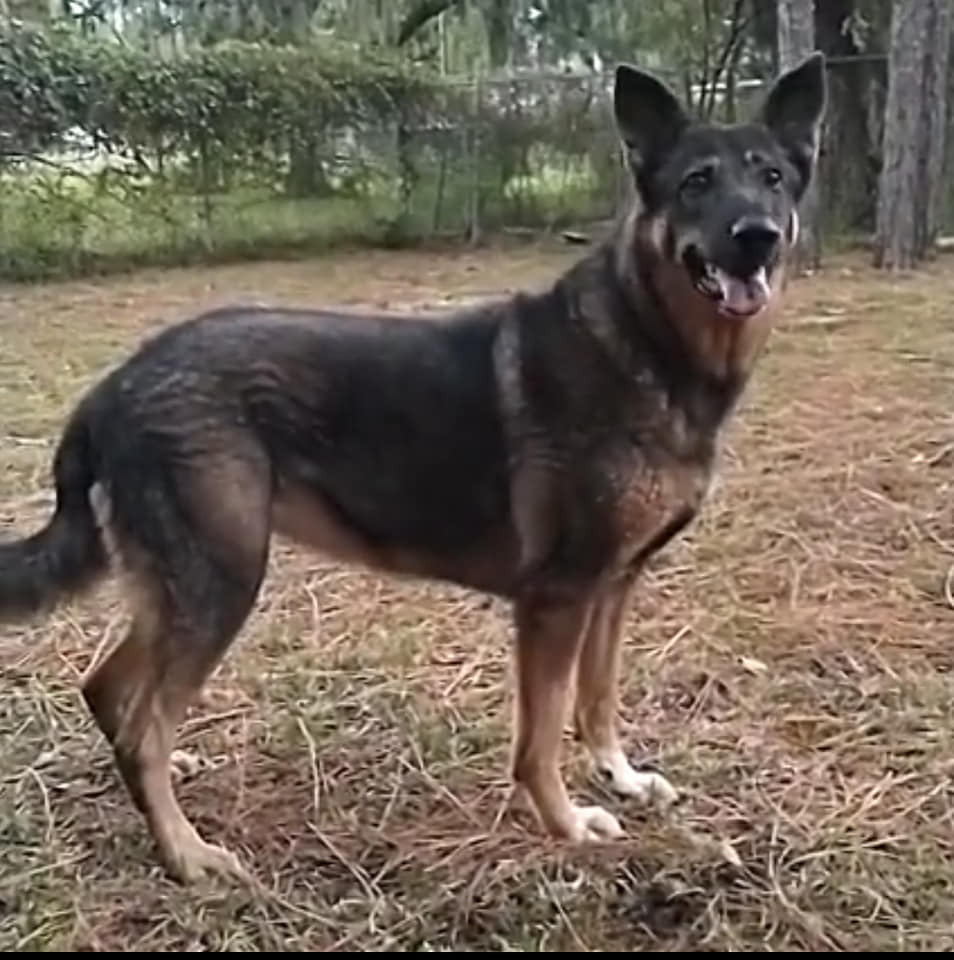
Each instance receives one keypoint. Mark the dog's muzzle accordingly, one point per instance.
(733, 296)
(755, 241)
(745, 290)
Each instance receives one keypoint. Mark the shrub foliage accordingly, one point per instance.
(237, 96)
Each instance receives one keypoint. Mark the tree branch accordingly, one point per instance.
(706, 41)
(420, 14)
(737, 28)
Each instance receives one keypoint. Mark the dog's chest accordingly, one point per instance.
(651, 503)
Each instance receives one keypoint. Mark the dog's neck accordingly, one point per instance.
(727, 348)
(622, 310)
(667, 308)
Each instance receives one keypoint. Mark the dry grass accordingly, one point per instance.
(788, 664)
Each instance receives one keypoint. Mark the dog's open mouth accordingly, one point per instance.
(735, 297)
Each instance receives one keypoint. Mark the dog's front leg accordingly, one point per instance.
(597, 699)
(550, 633)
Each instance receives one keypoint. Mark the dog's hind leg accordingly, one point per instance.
(549, 635)
(190, 605)
(597, 700)
(139, 695)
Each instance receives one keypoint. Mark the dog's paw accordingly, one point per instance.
(191, 861)
(185, 764)
(593, 825)
(649, 789)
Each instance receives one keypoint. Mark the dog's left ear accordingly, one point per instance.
(648, 115)
(794, 110)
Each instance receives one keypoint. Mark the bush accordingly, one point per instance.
(237, 98)
(111, 155)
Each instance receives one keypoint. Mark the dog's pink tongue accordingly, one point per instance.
(743, 297)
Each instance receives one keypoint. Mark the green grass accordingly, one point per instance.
(61, 223)
(66, 229)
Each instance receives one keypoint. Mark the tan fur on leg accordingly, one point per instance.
(139, 694)
(598, 701)
(548, 642)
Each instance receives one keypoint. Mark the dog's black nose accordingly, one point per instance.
(757, 238)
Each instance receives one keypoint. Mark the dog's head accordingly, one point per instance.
(720, 202)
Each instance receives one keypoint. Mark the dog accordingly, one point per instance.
(540, 448)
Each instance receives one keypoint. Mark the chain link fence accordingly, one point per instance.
(527, 153)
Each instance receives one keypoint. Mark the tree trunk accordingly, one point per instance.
(796, 40)
(856, 110)
(933, 121)
(499, 19)
(913, 133)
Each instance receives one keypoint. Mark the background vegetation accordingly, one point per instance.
(159, 131)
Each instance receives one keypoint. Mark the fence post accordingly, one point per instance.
(474, 226)
(205, 180)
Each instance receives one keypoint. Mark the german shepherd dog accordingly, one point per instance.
(540, 449)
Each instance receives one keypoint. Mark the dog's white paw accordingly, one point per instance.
(593, 825)
(190, 860)
(185, 764)
(649, 789)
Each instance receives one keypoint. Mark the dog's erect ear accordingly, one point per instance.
(648, 115)
(794, 110)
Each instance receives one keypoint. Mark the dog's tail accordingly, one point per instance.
(68, 554)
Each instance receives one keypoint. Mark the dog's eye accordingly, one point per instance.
(697, 181)
(773, 177)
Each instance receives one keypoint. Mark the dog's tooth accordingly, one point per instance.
(759, 284)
